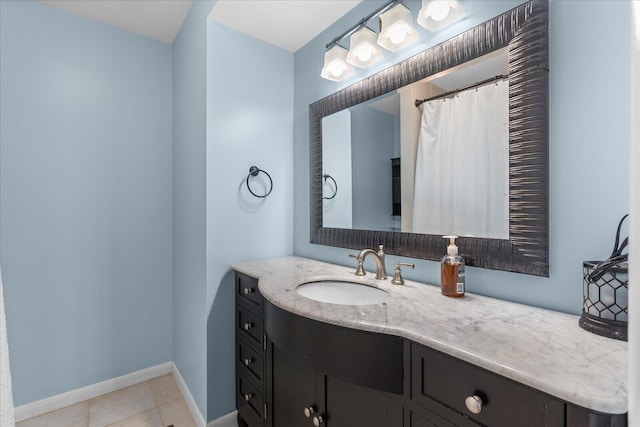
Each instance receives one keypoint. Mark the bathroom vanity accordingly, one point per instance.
(418, 359)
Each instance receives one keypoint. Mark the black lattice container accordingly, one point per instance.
(605, 307)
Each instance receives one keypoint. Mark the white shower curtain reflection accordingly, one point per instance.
(462, 165)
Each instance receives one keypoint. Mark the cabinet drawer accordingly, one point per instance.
(249, 401)
(504, 402)
(252, 359)
(247, 291)
(251, 326)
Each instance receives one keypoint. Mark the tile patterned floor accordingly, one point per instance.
(154, 403)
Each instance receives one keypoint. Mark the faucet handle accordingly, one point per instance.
(360, 270)
(397, 276)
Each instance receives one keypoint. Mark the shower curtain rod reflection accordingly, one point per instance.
(495, 79)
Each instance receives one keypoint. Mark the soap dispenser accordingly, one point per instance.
(452, 271)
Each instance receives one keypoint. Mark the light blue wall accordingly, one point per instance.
(189, 201)
(85, 247)
(588, 138)
(249, 122)
(372, 147)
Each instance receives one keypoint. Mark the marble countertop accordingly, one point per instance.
(544, 349)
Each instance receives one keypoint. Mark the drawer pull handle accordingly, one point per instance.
(309, 410)
(247, 326)
(248, 396)
(248, 291)
(317, 420)
(474, 404)
(248, 361)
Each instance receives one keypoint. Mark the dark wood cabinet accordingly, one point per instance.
(292, 389)
(580, 417)
(291, 369)
(428, 419)
(362, 358)
(418, 421)
(498, 401)
(350, 405)
(302, 396)
(250, 353)
(331, 376)
(432, 413)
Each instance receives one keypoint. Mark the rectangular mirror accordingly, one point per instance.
(450, 141)
(454, 148)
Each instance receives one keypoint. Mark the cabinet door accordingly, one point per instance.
(437, 415)
(350, 405)
(429, 421)
(293, 388)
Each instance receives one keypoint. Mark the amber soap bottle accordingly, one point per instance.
(452, 271)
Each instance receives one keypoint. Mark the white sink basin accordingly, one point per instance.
(345, 293)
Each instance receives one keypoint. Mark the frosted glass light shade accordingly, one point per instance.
(336, 67)
(396, 28)
(438, 14)
(364, 48)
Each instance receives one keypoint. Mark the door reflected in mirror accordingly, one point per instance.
(452, 150)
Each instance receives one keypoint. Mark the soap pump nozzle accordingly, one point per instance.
(452, 249)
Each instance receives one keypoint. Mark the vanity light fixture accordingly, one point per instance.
(336, 67)
(396, 28)
(396, 31)
(364, 49)
(438, 14)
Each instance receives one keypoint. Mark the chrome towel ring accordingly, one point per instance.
(335, 186)
(253, 172)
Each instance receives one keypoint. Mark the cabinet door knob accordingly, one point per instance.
(248, 361)
(248, 396)
(474, 404)
(247, 326)
(309, 410)
(247, 291)
(318, 420)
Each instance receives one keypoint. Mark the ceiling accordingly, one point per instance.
(157, 19)
(289, 24)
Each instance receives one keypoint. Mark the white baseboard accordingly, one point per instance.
(228, 420)
(191, 403)
(72, 397)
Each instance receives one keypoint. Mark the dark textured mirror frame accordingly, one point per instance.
(525, 31)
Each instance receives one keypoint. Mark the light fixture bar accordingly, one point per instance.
(362, 22)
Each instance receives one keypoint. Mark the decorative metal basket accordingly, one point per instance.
(605, 307)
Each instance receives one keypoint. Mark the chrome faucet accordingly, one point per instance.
(378, 257)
